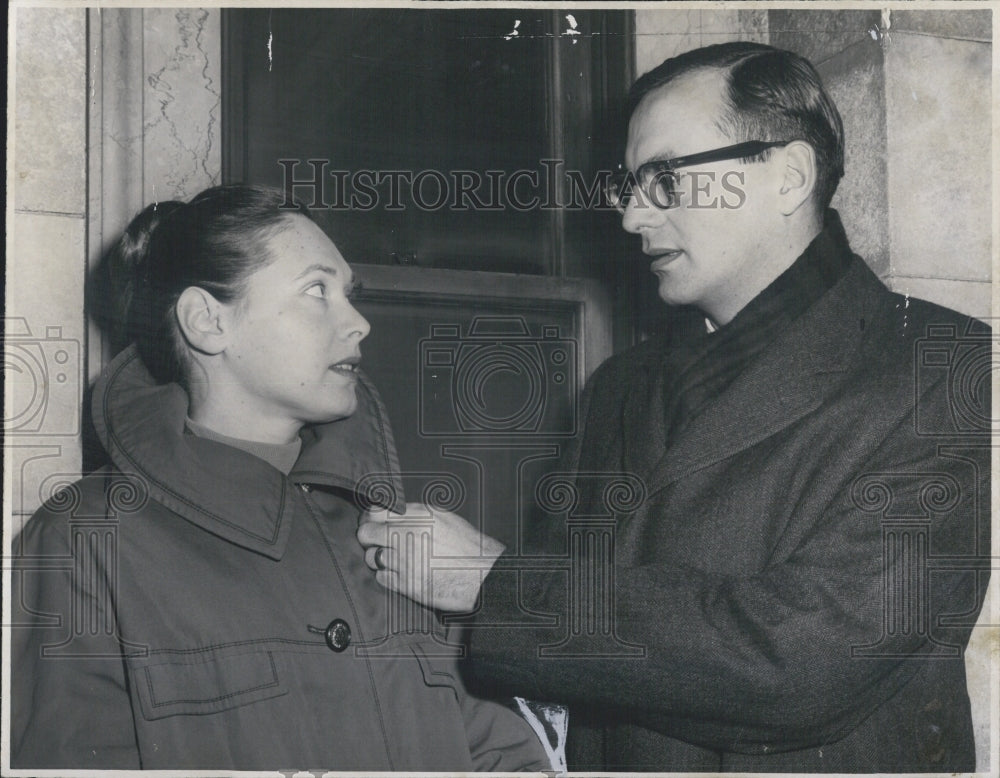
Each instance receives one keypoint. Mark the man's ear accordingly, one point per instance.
(202, 320)
(798, 177)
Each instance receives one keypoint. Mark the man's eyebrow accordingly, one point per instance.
(656, 158)
(663, 156)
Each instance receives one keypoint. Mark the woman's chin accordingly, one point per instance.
(344, 407)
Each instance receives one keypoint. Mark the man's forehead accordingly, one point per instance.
(671, 119)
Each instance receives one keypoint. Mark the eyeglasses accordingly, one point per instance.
(658, 179)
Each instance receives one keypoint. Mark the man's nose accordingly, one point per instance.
(640, 213)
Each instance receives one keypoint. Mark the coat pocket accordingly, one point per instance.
(204, 681)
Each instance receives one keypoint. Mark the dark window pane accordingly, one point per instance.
(406, 90)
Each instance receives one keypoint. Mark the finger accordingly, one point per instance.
(388, 559)
(422, 510)
(372, 533)
(381, 558)
(375, 515)
(418, 509)
(389, 579)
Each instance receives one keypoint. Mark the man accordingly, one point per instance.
(780, 600)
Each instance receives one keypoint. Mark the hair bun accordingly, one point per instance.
(214, 242)
(127, 266)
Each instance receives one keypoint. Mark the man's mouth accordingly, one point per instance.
(662, 258)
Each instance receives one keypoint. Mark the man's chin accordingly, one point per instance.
(668, 291)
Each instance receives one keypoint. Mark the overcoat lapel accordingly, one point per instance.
(791, 378)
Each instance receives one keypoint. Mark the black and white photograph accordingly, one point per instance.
(518, 387)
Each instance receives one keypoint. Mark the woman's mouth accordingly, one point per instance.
(347, 366)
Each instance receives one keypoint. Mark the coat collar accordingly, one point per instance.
(790, 378)
(229, 492)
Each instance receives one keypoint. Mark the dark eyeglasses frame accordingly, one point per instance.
(654, 171)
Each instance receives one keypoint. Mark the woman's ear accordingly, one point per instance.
(201, 318)
(799, 176)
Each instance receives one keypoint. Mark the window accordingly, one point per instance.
(445, 138)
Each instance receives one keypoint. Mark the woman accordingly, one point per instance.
(206, 605)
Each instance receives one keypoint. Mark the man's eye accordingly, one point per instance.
(317, 290)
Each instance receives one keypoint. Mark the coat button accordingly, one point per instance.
(338, 635)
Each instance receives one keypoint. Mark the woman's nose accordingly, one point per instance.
(357, 324)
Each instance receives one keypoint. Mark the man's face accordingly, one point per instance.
(706, 252)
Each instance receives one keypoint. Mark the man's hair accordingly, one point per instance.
(771, 95)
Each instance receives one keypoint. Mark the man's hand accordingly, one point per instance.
(432, 556)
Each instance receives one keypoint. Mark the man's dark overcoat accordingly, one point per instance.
(809, 553)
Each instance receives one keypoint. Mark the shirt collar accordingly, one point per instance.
(280, 456)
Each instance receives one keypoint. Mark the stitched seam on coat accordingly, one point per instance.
(273, 683)
(222, 646)
(380, 411)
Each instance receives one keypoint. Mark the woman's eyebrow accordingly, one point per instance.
(329, 269)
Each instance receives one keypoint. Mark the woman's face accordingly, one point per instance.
(295, 337)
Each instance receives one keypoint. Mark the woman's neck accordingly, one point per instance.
(239, 421)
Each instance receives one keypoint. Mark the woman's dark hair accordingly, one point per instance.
(771, 95)
(215, 242)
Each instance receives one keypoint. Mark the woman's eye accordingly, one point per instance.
(317, 290)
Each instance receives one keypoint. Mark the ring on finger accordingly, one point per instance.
(380, 557)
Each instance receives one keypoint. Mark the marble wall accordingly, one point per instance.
(155, 109)
(844, 46)
(45, 328)
(938, 124)
(182, 101)
(660, 34)
(112, 109)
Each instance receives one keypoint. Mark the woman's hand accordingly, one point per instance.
(432, 556)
